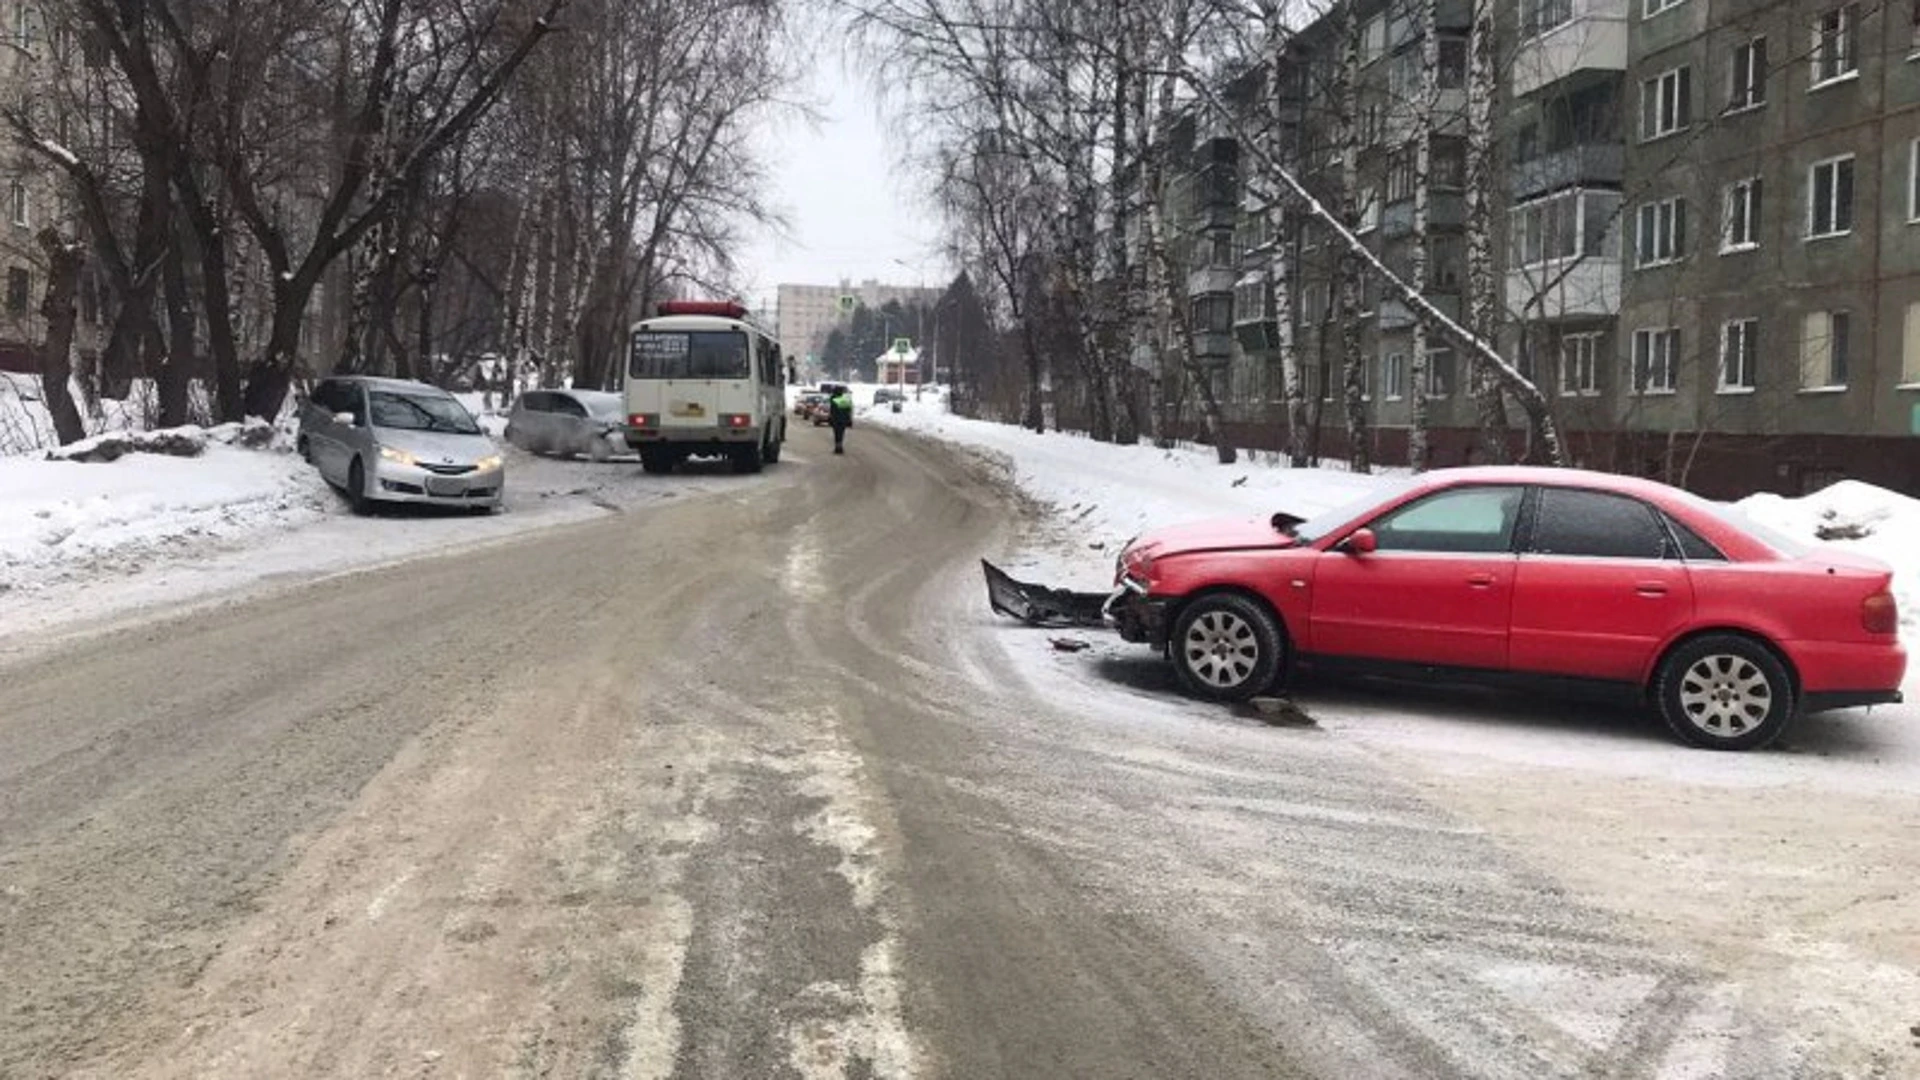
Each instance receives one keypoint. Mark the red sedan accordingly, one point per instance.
(1557, 578)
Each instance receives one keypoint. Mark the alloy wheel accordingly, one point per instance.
(1725, 696)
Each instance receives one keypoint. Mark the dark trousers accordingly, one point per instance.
(839, 435)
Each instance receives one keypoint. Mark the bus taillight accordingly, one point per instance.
(737, 420)
(643, 420)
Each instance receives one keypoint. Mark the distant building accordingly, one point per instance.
(808, 312)
(898, 369)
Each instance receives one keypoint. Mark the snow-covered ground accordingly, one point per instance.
(86, 542)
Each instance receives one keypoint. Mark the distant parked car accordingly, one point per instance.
(807, 403)
(1554, 578)
(886, 394)
(566, 422)
(391, 440)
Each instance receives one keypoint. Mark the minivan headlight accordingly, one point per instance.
(488, 463)
(400, 457)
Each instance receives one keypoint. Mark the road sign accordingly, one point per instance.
(848, 303)
(902, 346)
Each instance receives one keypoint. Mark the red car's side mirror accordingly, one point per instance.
(1361, 542)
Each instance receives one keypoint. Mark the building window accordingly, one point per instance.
(1561, 226)
(19, 291)
(1741, 229)
(1373, 39)
(1579, 365)
(1825, 343)
(1913, 180)
(1393, 374)
(1439, 373)
(1910, 349)
(1830, 197)
(1834, 56)
(1540, 16)
(1453, 63)
(1444, 260)
(1656, 356)
(1369, 210)
(1739, 349)
(1660, 234)
(17, 209)
(1749, 76)
(1655, 7)
(1449, 164)
(1666, 103)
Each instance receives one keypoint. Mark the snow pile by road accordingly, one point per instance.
(58, 517)
(1110, 493)
(1858, 517)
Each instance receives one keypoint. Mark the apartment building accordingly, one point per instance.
(1710, 242)
(33, 195)
(1771, 310)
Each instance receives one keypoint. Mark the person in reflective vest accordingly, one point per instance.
(840, 417)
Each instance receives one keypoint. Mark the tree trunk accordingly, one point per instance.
(1352, 361)
(1416, 368)
(1484, 288)
(181, 363)
(65, 258)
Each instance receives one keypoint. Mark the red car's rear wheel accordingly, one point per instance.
(1725, 692)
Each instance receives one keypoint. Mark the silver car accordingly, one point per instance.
(568, 422)
(389, 440)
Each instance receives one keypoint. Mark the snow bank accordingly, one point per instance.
(57, 517)
(1858, 517)
(1111, 493)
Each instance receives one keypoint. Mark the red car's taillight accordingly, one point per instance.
(1880, 614)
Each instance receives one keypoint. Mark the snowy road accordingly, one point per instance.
(747, 784)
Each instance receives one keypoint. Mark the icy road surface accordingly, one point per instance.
(747, 783)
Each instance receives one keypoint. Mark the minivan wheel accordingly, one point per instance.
(747, 459)
(304, 449)
(772, 454)
(1725, 692)
(357, 488)
(1227, 647)
(656, 460)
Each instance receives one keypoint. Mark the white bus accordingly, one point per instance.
(701, 379)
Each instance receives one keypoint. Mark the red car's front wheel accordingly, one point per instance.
(1227, 647)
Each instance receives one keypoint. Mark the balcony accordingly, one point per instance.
(1595, 39)
(1205, 280)
(1553, 291)
(1447, 210)
(1395, 315)
(1588, 165)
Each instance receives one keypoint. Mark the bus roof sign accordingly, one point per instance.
(725, 309)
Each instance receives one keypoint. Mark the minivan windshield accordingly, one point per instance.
(690, 354)
(420, 412)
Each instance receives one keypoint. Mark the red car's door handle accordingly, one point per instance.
(1480, 581)
(1650, 588)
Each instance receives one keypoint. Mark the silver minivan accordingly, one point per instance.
(567, 422)
(391, 440)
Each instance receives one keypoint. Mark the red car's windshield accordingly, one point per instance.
(1325, 522)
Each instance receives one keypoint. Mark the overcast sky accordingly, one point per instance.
(851, 216)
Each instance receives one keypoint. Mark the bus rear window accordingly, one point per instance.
(696, 354)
